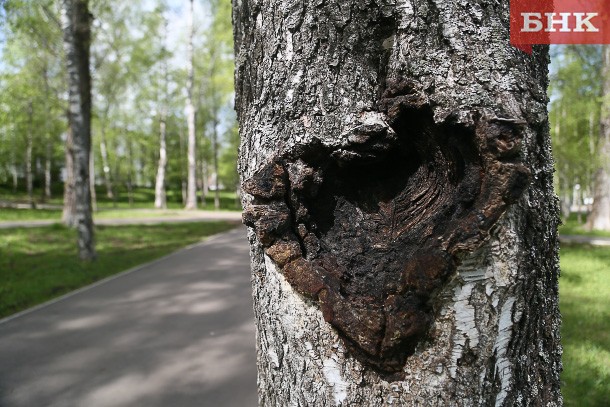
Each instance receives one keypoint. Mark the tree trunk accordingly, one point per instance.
(68, 216)
(49, 142)
(397, 185)
(160, 193)
(105, 161)
(215, 158)
(29, 176)
(204, 182)
(130, 172)
(77, 34)
(92, 182)
(191, 194)
(160, 196)
(600, 212)
(47, 169)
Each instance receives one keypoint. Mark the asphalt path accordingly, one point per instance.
(176, 332)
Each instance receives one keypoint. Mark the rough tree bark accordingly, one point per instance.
(600, 212)
(191, 190)
(76, 28)
(397, 178)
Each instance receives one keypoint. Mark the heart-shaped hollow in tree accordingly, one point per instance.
(373, 229)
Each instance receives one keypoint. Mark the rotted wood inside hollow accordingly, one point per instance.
(372, 230)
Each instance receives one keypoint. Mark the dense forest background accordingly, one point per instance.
(139, 66)
(140, 69)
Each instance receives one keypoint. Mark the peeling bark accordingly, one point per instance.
(397, 177)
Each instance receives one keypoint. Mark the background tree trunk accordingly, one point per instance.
(106, 162)
(160, 196)
(374, 283)
(68, 216)
(76, 27)
(29, 175)
(191, 192)
(600, 212)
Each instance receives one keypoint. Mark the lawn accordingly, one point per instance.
(584, 295)
(142, 198)
(572, 226)
(41, 263)
(15, 215)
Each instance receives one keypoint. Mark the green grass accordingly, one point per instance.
(39, 264)
(573, 227)
(15, 215)
(143, 198)
(584, 295)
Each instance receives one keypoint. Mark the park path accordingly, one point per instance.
(176, 332)
(184, 216)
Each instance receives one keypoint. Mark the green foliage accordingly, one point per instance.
(574, 115)
(138, 77)
(584, 294)
(39, 264)
(32, 104)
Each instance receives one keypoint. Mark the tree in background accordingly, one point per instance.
(398, 187)
(191, 189)
(32, 85)
(138, 90)
(574, 120)
(76, 23)
(600, 212)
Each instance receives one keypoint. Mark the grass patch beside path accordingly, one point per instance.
(16, 215)
(573, 227)
(584, 297)
(39, 264)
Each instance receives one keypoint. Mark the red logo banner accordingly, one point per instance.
(559, 22)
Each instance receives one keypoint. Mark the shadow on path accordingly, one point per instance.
(178, 332)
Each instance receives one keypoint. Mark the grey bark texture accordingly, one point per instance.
(323, 81)
(76, 28)
(600, 212)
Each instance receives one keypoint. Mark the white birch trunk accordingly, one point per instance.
(68, 216)
(160, 196)
(76, 27)
(105, 160)
(191, 192)
(309, 81)
(29, 176)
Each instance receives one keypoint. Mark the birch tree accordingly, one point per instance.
(191, 189)
(76, 25)
(398, 188)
